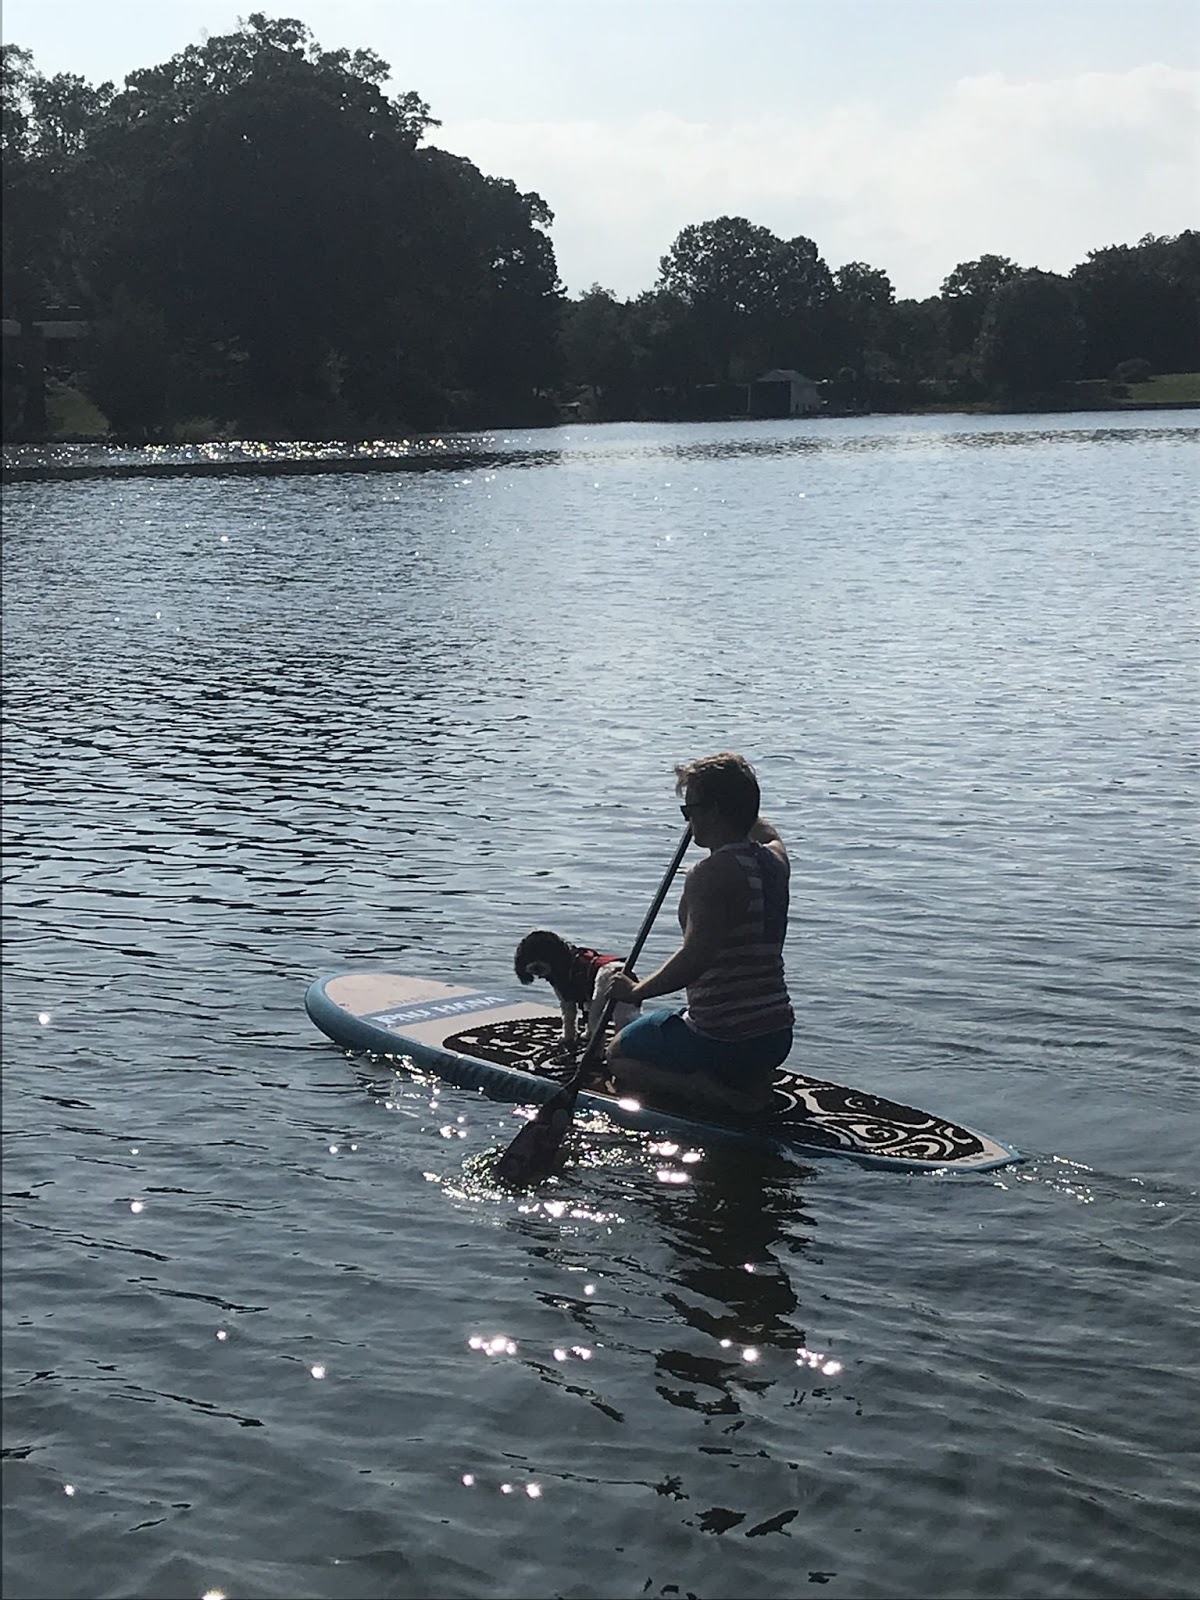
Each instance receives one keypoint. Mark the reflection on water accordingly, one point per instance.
(804, 444)
(66, 460)
(726, 1225)
(574, 445)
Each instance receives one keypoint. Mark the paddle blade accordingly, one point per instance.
(533, 1154)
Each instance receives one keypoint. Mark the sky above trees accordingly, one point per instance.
(911, 134)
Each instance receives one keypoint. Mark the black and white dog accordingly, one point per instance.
(580, 978)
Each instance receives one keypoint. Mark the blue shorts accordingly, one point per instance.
(664, 1039)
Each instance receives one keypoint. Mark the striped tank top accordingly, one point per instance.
(743, 994)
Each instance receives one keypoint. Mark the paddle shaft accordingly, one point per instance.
(597, 1031)
(533, 1152)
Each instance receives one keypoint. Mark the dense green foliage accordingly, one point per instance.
(1032, 335)
(732, 300)
(260, 236)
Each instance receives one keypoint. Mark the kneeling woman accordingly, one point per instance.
(722, 1051)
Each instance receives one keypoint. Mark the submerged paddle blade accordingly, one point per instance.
(533, 1154)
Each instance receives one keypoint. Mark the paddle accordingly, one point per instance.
(532, 1154)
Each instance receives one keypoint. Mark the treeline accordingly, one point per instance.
(260, 234)
(733, 300)
(260, 237)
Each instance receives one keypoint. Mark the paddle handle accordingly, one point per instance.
(597, 1032)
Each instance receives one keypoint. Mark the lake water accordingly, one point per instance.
(270, 1330)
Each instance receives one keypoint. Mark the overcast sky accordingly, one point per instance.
(910, 134)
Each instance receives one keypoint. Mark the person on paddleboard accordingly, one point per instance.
(723, 1049)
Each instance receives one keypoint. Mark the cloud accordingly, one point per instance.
(1042, 171)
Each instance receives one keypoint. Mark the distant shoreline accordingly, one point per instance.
(419, 456)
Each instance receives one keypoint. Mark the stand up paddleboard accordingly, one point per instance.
(482, 1039)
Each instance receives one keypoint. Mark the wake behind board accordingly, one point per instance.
(483, 1039)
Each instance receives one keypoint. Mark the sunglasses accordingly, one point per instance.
(688, 812)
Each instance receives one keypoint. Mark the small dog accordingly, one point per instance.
(580, 978)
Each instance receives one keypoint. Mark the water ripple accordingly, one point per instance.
(270, 1327)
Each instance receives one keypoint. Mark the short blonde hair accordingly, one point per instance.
(725, 781)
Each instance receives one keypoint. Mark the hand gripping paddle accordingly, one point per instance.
(532, 1154)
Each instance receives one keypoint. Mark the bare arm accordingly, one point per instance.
(715, 900)
(691, 959)
(764, 832)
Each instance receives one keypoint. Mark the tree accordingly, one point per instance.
(968, 293)
(17, 77)
(863, 303)
(753, 299)
(668, 351)
(725, 266)
(130, 368)
(246, 186)
(272, 203)
(511, 348)
(265, 47)
(1032, 336)
(799, 321)
(44, 127)
(724, 272)
(917, 338)
(66, 113)
(596, 346)
(1142, 302)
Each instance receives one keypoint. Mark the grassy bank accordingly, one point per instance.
(1167, 389)
(70, 414)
